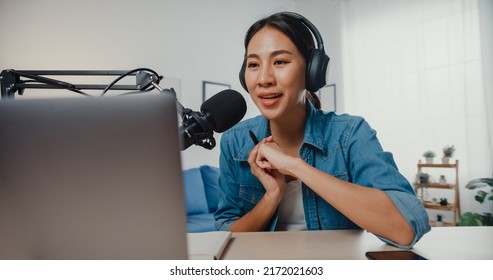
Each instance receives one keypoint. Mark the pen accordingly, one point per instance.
(254, 138)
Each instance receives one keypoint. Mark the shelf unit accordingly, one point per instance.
(453, 206)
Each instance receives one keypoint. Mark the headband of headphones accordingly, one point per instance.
(317, 64)
(318, 38)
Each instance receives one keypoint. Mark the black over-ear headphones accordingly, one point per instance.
(317, 65)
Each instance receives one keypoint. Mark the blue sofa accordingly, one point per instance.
(201, 197)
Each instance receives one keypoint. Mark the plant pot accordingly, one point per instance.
(439, 223)
(445, 160)
(442, 180)
(429, 160)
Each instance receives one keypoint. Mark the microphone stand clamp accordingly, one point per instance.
(204, 139)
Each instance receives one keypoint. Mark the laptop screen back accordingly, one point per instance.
(91, 178)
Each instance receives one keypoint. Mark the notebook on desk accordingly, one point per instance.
(207, 245)
(91, 178)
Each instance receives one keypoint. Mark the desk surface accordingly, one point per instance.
(440, 244)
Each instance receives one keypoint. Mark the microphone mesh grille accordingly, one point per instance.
(227, 108)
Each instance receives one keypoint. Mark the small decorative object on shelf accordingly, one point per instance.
(442, 179)
(439, 222)
(443, 201)
(423, 178)
(429, 155)
(448, 152)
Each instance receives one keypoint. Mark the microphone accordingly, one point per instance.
(218, 113)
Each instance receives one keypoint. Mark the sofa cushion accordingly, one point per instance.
(195, 198)
(210, 175)
(201, 223)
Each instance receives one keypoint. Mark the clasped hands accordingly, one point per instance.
(269, 163)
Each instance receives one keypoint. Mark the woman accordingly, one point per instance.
(312, 170)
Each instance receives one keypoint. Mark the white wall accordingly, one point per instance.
(190, 40)
(486, 30)
(185, 39)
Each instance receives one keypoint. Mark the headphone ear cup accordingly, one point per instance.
(242, 76)
(316, 70)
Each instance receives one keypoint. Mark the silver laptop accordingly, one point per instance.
(91, 178)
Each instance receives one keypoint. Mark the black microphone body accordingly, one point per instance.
(218, 113)
(198, 127)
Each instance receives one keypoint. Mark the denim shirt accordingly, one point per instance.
(344, 146)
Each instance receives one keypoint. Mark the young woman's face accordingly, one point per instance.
(275, 74)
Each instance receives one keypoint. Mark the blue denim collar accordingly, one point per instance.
(313, 132)
(313, 129)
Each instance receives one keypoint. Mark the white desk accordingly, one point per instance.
(457, 243)
(440, 243)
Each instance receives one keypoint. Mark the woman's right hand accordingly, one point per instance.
(272, 180)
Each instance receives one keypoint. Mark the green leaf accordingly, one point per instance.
(475, 184)
(488, 181)
(480, 195)
(470, 219)
(487, 219)
(480, 183)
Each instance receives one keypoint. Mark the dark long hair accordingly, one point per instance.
(296, 31)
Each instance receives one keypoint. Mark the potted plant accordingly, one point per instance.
(475, 219)
(439, 222)
(429, 155)
(448, 152)
(443, 201)
(442, 179)
(423, 178)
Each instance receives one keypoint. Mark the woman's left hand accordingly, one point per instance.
(271, 157)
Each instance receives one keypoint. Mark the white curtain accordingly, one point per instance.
(414, 70)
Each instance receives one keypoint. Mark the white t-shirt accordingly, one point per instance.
(291, 213)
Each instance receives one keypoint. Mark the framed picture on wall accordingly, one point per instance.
(210, 88)
(328, 98)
